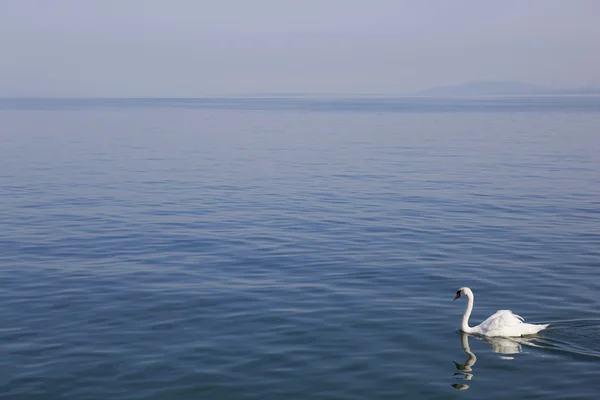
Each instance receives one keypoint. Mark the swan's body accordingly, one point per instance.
(502, 323)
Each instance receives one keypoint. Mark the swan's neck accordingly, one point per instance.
(465, 319)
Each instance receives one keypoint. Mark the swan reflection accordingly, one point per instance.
(465, 369)
(505, 346)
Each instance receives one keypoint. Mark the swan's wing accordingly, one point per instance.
(504, 318)
(505, 323)
(501, 321)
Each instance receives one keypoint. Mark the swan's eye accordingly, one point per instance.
(458, 293)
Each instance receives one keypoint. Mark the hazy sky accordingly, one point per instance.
(200, 47)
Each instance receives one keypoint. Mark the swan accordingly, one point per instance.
(502, 323)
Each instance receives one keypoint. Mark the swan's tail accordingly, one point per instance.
(544, 326)
(533, 328)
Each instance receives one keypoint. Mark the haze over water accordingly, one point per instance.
(297, 248)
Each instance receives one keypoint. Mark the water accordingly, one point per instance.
(297, 248)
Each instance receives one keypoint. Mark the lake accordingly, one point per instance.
(297, 248)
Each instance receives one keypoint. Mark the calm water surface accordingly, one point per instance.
(297, 248)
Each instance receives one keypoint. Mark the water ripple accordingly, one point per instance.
(245, 253)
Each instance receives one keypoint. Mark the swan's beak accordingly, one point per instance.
(457, 296)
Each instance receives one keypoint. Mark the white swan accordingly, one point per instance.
(503, 323)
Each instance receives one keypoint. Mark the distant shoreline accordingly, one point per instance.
(311, 96)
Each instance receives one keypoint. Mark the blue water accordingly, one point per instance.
(297, 248)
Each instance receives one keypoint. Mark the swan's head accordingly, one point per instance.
(463, 291)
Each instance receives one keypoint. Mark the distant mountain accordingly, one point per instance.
(503, 88)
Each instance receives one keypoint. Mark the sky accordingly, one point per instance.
(196, 48)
